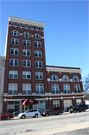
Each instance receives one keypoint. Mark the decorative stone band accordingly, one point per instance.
(52, 69)
(24, 21)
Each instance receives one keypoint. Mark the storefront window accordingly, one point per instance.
(78, 101)
(56, 103)
(40, 106)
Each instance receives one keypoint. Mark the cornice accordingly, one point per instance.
(24, 21)
(68, 70)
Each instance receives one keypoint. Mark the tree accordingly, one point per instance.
(86, 86)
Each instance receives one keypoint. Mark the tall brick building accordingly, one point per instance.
(26, 73)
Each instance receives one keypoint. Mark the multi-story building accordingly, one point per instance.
(2, 71)
(26, 73)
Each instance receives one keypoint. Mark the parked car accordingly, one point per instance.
(52, 111)
(78, 108)
(29, 113)
(6, 116)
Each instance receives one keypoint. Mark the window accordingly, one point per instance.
(26, 53)
(38, 54)
(66, 88)
(37, 36)
(34, 27)
(78, 101)
(12, 23)
(26, 43)
(38, 64)
(26, 88)
(26, 34)
(14, 41)
(13, 74)
(56, 103)
(14, 51)
(39, 89)
(29, 26)
(37, 44)
(15, 33)
(39, 28)
(26, 63)
(18, 24)
(75, 78)
(65, 78)
(13, 88)
(77, 88)
(13, 62)
(55, 89)
(39, 75)
(26, 75)
(24, 25)
(54, 78)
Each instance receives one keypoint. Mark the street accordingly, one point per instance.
(44, 125)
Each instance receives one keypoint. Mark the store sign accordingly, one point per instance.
(10, 107)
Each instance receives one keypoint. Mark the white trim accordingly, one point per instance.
(42, 37)
(48, 79)
(71, 80)
(60, 79)
(80, 80)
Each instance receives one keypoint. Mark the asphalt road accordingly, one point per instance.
(42, 124)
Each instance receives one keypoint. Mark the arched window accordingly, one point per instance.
(75, 78)
(54, 78)
(15, 33)
(26, 34)
(37, 36)
(65, 78)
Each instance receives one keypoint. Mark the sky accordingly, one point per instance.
(66, 31)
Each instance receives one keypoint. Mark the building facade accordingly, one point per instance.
(26, 73)
(2, 71)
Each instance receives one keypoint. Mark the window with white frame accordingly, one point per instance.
(39, 75)
(65, 78)
(77, 88)
(66, 88)
(37, 36)
(26, 34)
(55, 88)
(26, 43)
(24, 25)
(13, 74)
(54, 78)
(78, 101)
(34, 27)
(38, 64)
(75, 78)
(37, 44)
(12, 23)
(26, 63)
(39, 28)
(14, 51)
(26, 75)
(13, 88)
(56, 103)
(15, 33)
(13, 62)
(18, 24)
(26, 52)
(29, 26)
(26, 88)
(39, 89)
(38, 54)
(14, 41)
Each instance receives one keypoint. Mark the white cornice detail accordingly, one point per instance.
(60, 79)
(42, 37)
(48, 79)
(24, 21)
(80, 80)
(52, 69)
(71, 80)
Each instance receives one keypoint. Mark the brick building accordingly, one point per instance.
(26, 73)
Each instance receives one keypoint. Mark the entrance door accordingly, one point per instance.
(67, 103)
(27, 107)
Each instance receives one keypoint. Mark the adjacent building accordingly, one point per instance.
(26, 73)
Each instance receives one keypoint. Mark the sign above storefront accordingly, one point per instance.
(25, 97)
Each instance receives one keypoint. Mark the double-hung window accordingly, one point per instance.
(18, 24)
(15, 33)
(55, 88)
(26, 43)
(75, 78)
(39, 28)
(24, 25)
(38, 64)
(34, 27)
(37, 44)
(26, 63)
(77, 88)
(37, 36)
(38, 54)
(26, 52)
(14, 51)
(14, 41)
(26, 34)
(13, 88)
(26, 88)
(39, 75)
(29, 26)
(13, 74)
(26, 75)
(13, 62)
(66, 88)
(39, 89)
(12, 23)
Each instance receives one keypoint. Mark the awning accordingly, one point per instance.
(30, 101)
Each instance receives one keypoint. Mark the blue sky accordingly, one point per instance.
(66, 29)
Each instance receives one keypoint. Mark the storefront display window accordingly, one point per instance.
(40, 106)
